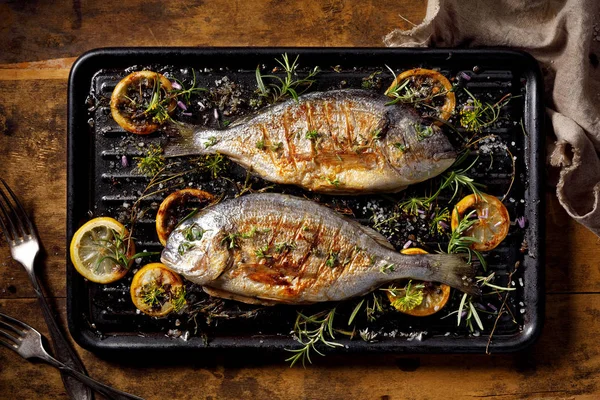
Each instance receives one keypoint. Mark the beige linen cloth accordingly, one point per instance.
(558, 33)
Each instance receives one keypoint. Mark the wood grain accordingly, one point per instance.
(39, 42)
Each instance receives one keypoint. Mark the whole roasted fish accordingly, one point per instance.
(341, 142)
(274, 248)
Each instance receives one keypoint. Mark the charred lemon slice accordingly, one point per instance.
(419, 299)
(140, 103)
(157, 291)
(427, 87)
(492, 223)
(101, 250)
(176, 207)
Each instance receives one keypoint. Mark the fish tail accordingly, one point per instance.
(191, 141)
(451, 269)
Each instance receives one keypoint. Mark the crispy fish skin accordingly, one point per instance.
(272, 248)
(340, 142)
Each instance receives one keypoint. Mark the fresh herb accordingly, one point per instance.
(423, 132)
(117, 247)
(387, 268)
(335, 182)
(400, 146)
(312, 134)
(230, 240)
(178, 298)
(152, 294)
(460, 242)
(263, 252)
(376, 134)
(476, 116)
(276, 146)
(371, 81)
(214, 163)
(211, 141)
(374, 308)
(408, 93)
(407, 298)
(160, 103)
(193, 232)
(332, 259)
(261, 145)
(288, 86)
(310, 331)
(281, 247)
(184, 247)
(468, 311)
(152, 162)
(457, 178)
(439, 222)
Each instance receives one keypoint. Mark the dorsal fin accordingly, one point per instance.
(373, 234)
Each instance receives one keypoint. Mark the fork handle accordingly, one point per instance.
(101, 388)
(62, 350)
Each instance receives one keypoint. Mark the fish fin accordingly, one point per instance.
(373, 234)
(189, 141)
(451, 269)
(223, 294)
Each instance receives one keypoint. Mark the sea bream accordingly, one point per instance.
(346, 141)
(272, 248)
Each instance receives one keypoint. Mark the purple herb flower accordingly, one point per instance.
(407, 244)
(521, 221)
(176, 85)
(465, 76)
(124, 162)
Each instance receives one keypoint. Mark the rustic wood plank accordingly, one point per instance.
(34, 149)
(35, 31)
(564, 363)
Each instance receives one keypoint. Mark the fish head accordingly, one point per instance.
(195, 251)
(419, 152)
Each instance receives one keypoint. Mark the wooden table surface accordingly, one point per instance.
(39, 40)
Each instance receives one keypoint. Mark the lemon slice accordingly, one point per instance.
(100, 251)
(128, 104)
(435, 295)
(157, 291)
(493, 221)
(426, 84)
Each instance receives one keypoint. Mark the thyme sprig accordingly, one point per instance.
(117, 250)
(288, 86)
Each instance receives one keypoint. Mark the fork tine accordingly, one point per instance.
(20, 206)
(19, 220)
(11, 234)
(4, 327)
(16, 322)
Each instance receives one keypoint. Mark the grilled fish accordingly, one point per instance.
(273, 248)
(340, 142)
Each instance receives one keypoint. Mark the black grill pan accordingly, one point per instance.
(101, 318)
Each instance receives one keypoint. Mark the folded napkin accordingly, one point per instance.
(558, 33)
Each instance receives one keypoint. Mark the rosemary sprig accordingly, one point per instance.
(311, 330)
(288, 86)
(461, 243)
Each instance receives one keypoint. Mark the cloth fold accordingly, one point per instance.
(558, 33)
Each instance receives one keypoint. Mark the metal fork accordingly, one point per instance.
(24, 247)
(27, 342)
